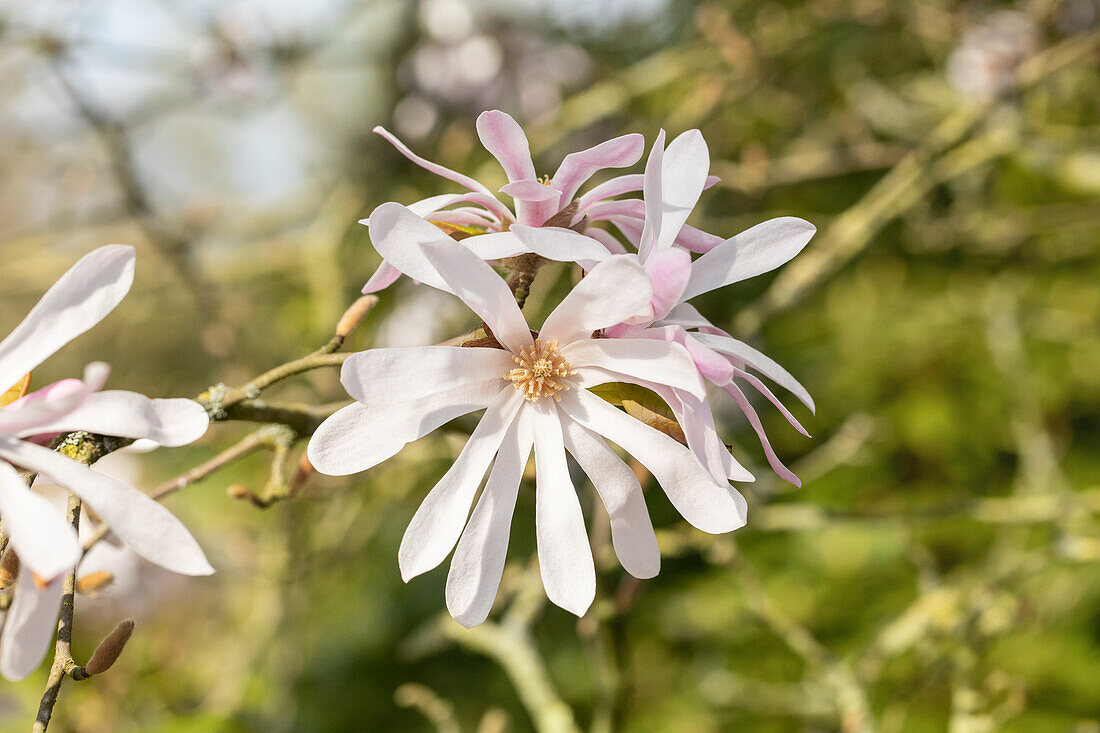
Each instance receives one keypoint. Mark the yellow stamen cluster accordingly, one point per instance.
(540, 372)
(545, 179)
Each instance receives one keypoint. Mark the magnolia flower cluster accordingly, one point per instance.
(628, 320)
(46, 545)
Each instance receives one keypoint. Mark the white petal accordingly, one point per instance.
(357, 437)
(683, 176)
(631, 529)
(169, 422)
(758, 361)
(43, 406)
(560, 245)
(146, 526)
(697, 421)
(482, 290)
(651, 194)
(607, 239)
(398, 234)
(710, 506)
(43, 540)
(388, 376)
(478, 562)
(438, 523)
(752, 252)
(661, 362)
(81, 298)
(615, 290)
(565, 557)
(29, 627)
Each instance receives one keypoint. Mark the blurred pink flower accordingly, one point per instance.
(404, 393)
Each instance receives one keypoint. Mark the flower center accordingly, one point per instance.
(540, 372)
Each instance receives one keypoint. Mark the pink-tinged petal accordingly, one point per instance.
(632, 533)
(612, 187)
(696, 240)
(170, 422)
(357, 437)
(35, 412)
(763, 389)
(146, 526)
(473, 218)
(750, 413)
(669, 271)
(683, 175)
(504, 139)
(651, 193)
(80, 299)
(435, 168)
(29, 627)
(565, 557)
(430, 205)
(660, 362)
(43, 540)
(437, 524)
(706, 504)
(752, 252)
(394, 375)
(482, 290)
(576, 168)
(607, 239)
(478, 561)
(697, 422)
(746, 354)
(629, 226)
(615, 290)
(531, 191)
(713, 366)
(385, 276)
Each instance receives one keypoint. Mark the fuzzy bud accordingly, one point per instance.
(9, 568)
(108, 651)
(93, 583)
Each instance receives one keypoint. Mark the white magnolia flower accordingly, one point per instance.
(534, 393)
(46, 545)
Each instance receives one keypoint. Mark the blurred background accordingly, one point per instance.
(937, 571)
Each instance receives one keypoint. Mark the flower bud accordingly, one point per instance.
(108, 651)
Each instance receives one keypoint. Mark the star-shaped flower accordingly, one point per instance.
(534, 390)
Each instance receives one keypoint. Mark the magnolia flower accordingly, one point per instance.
(46, 545)
(674, 179)
(547, 211)
(533, 390)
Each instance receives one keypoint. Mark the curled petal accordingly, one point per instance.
(750, 413)
(504, 139)
(577, 168)
(435, 168)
